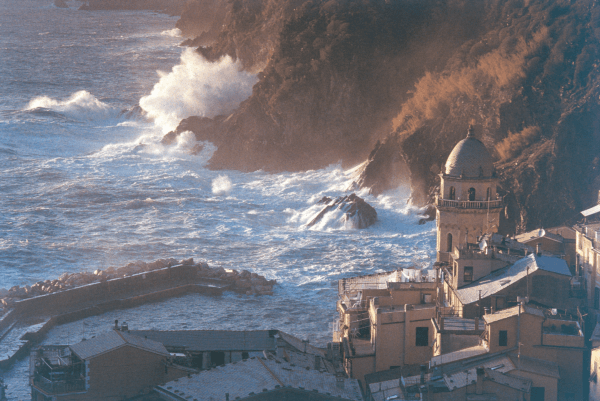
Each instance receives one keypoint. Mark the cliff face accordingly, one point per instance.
(395, 85)
(530, 85)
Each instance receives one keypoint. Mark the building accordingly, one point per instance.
(556, 241)
(468, 204)
(385, 321)
(113, 366)
(546, 348)
(588, 260)
(595, 364)
(205, 349)
(478, 287)
(293, 377)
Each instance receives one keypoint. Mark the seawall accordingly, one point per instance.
(35, 316)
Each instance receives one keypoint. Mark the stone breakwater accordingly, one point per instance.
(241, 282)
(29, 312)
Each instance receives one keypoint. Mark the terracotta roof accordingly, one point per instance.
(458, 355)
(112, 340)
(255, 376)
(514, 311)
(471, 159)
(539, 233)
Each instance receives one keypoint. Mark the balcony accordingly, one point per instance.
(461, 204)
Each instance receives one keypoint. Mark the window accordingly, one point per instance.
(422, 337)
(538, 393)
(468, 276)
(489, 194)
(452, 194)
(449, 242)
(471, 194)
(502, 338)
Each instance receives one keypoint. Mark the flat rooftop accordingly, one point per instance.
(461, 324)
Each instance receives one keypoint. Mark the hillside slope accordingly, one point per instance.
(396, 84)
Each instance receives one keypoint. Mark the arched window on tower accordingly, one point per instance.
(449, 242)
(452, 195)
(471, 194)
(488, 195)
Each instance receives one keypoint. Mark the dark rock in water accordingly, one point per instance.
(430, 213)
(356, 210)
(196, 149)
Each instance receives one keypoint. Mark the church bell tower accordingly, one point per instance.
(468, 204)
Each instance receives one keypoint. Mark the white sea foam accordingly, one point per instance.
(197, 87)
(81, 105)
(174, 33)
(221, 185)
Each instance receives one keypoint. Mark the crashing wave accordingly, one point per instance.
(81, 106)
(197, 87)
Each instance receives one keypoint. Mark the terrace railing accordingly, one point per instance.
(462, 204)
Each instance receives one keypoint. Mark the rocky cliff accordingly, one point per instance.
(395, 84)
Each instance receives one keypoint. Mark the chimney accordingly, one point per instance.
(116, 324)
(423, 370)
(538, 249)
(339, 382)
(479, 384)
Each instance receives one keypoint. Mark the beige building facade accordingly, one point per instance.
(468, 204)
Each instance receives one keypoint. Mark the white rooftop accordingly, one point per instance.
(501, 279)
(591, 211)
(258, 375)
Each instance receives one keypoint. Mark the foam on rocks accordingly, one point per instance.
(241, 282)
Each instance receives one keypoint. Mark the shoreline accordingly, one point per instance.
(30, 319)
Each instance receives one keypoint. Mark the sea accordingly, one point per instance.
(85, 183)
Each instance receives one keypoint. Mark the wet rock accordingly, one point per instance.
(187, 262)
(357, 212)
(430, 213)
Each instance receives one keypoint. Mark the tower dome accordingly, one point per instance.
(470, 159)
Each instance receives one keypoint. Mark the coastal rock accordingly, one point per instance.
(430, 213)
(241, 282)
(357, 212)
(400, 100)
